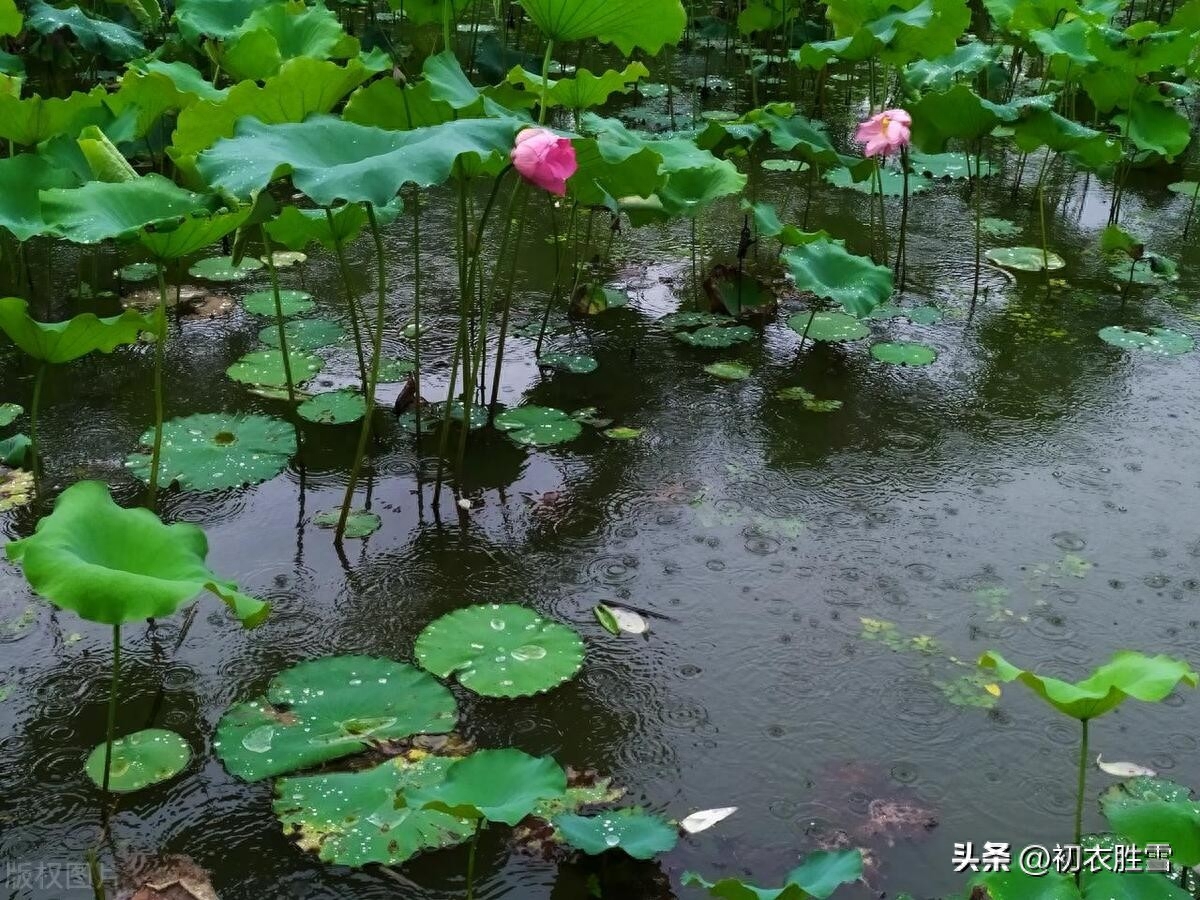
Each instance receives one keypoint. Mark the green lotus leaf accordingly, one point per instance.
(275, 32)
(215, 19)
(1155, 127)
(828, 270)
(958, 113)
(583, 90)
(13, 451)
(296, 228)
(693, 319)
(1154, 810)
(394, 370)
(1026, 259)
(140, 760)
(622, 433)
(568, 362)
(358, 818)
(1016, 885)
(821, 873)
(648, 24)
(1131, 884)
(11, 20)
(60, 342)
(265, 367)
(114, 565)
(209, 451)
(138, 271)
(151, 88)
(593, 299)
(999, 228)
(634, 831)
(360, 523)
(1150, 269)
(784, 165)
(941, 73)
(339, 407)
(303, 334)
(1187, 188)
(224, 268)
(327, 709)
(17, 487)
(35, 119)
(828, 326)
(95, 35)
(293, 303)
(1045, 128)
(768, 224)
(1067, 39)
(717, 337)
(903, 353)
(738, 293)
(9, 413)
(497, 785)
(500, 650)
(22, 178)
(891, 180)
(946, 165)
(538, 426)
(1160, 341)
(728, 371)
(1127, 674)
(330, 159)
(918, 315)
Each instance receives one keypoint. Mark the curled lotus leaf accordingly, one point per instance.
(60, 342)
(327, 709)
(831, 272)
(498, 785)
(500, 650)
(140, 760)
(634, 831)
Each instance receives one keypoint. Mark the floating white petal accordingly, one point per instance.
(706, 819)
(1123, 769)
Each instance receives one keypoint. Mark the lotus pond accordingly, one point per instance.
(830, 396)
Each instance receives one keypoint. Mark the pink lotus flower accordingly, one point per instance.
(544, 159)
(886, 132)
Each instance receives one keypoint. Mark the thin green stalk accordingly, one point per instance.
(901, 260)
(461, 346)
(112, 706)
(545, 105)
(96, 874)
(471, 860)
(416, 204)
(160, 341)
(554, 291)
(977, 187)
(507, 307)
(34, 406)
(344, 269)
(279, 321)
(1041, 196)
(1187, 225)
(1082, 787)
(364, 435)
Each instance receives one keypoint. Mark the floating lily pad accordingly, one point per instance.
(500, 650)
(1186, 188)
(1162, 341)
(140, 760)
(568, 362)
(283, 259)
(729, 370)
(9, 413)
(892, 182)
(713, 337)
(538, 426)
(622, 433)
(784, 165)
(693, 319)
(139, 271)
(636, 832)
(1150, 269)
(499, 785)
(210, 451)
(223, 268)
(265, 367)
(334, 407)
(394, 370)
(593, 299)
(903, 353)
(304, 334)
(918, 315)
(293, 303)
(16, 485)
(360, 523)
(828, 326)
(327, 709)
(998, 228)
(810, 400)
(357, 818)
(1025, 259)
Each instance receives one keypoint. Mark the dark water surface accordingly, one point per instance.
(1033, 491)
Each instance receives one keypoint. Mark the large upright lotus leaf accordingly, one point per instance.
(35, 119)
(1127, 674)
(821, 873)
(327, 709)
(634, 831)
(151, 87)
(1046, 128)
(1155, 127)
(358, 818)
(94, 34)
(941, 73)
(296, 228)
(60, 342)
(280, 31)
(957, 113)
(603, 182)
(11, 19)
(22, 177)
(1068, 40)
(1153, 810)
(648, 24)
(828, 326)
(385, 104)
(217, 19)
(583, 90)
(500, 650)
(265, 367)
(830, 271)
(331, 160)
(140, 760)
(538, 426)
(114, 565)
(502, 785)
(1161, 341)
(207, 451)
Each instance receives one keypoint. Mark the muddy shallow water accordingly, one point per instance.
(1032, 491)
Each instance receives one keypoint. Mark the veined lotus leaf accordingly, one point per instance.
(22, 178)
(209, 451)
(104, 161)
(940, 74)
(497, 785)
(903, 353)
(958, 113)
(1046, 128)
(1068, 39)
(303, 334)
(114, 565)
(140, 760)
(1161, 341)
(821, 873)
(293, 303)
(1127, 674)
(216, 19)
(360, 523)
(538, 426)
(576, 364)
(330, 159)
(357, 818)
(223, 268)
(600, 181)
(9, 413)
(1155, 127)
(583, 90)
(1154, 810)
(892, 182)
(327, 709)
(95, 35)
(648, 24)
(1026, 259)
(275, 32)
(265, 367)
(828, 326)
(636, 832)
(831, 272)
(1016, 885)
(768, 224)
(715, 337)
(60, 342)
(500, 650)
(35, 119)
(333, 408)
(730, 370)
(296, 228)
(385, 104)
(693, 319)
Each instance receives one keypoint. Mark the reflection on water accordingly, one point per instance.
(1031, 491)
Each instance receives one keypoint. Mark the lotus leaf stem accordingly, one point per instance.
(112, 706)
(1082, 786)
(416, 204)
(279, 322)
(340, 252)
(160, 340)
(34, 406)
